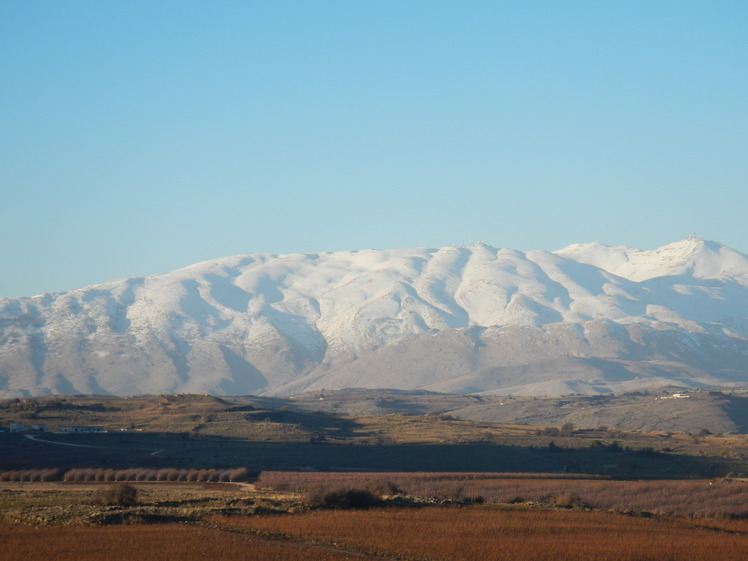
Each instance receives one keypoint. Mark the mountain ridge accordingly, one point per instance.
(587, 318)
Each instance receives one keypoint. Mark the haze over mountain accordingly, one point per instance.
(585, 319)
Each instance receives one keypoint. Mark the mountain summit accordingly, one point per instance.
(585, 319)
(700, 258)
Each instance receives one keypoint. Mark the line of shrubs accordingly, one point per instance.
(341, 498)
(131, 474)
(31, 475)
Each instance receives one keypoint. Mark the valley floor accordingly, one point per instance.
(190, 521)
(435, 533)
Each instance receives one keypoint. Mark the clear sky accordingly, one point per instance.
(138, 137)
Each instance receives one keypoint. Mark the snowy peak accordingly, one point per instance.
(464, 319)
(692, 256)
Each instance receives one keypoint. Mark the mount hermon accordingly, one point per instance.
(585, 319)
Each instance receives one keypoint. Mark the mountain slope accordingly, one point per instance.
(585, 319)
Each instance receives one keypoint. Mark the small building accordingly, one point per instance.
(40, 428)
(4, 429)
(17, 427)
(79, 429)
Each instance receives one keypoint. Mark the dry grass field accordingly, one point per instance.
(478, 534)
(433, 533)
(719, 498)
(213, 479)
(187, 521)
(169, 542)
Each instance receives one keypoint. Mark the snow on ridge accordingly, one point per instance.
(248, 322)
(427, 288)
(693, 255)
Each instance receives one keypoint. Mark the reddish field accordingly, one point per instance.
(469, 534)
(433, 533)
(148, 543)
(699, 521)
(699, 498)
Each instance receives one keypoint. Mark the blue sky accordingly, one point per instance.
(138, 137)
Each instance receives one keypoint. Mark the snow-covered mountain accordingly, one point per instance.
(585, 319)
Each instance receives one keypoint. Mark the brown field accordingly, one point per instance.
(476, 534)
(178, 452)
(719, 498)
(433, 533)
(63, 521)
(169, 542)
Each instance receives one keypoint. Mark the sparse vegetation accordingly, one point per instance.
(119, 494)
(169, 461)
(212, 528)
(340, 498)
(538, 517)
(478, 534)
(723, 498)
(198, 432)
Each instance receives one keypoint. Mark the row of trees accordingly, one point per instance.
(131, 474)
(31, 475)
